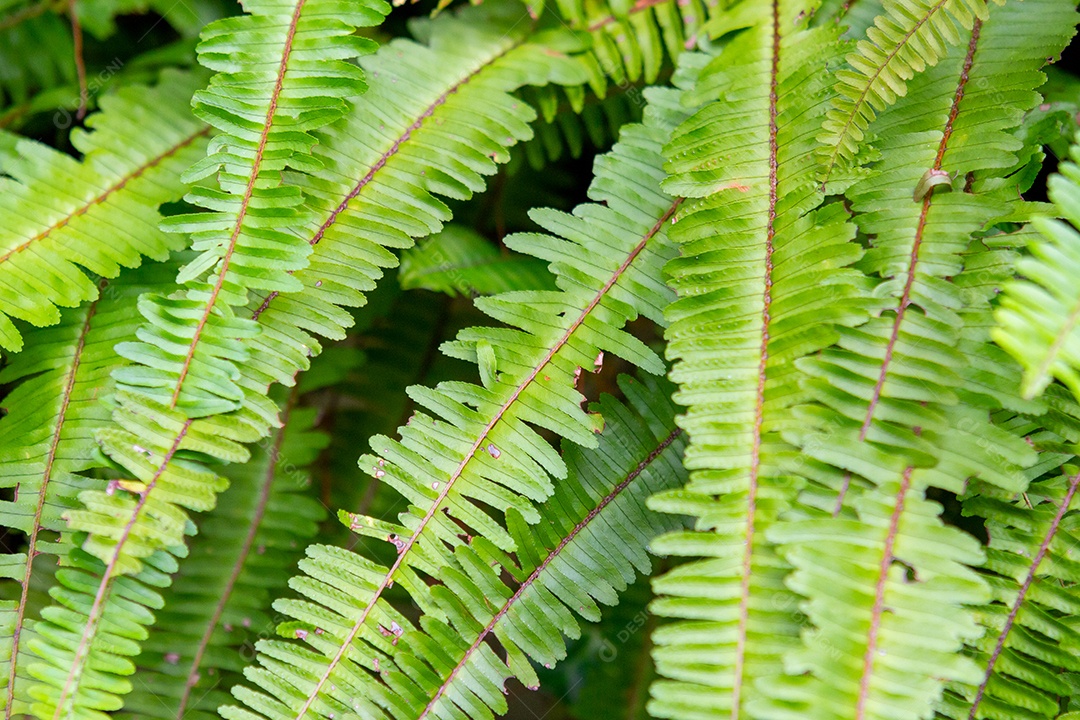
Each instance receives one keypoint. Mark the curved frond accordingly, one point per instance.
(762, 280)
(53, 208)
(483, 452)
(283, 71)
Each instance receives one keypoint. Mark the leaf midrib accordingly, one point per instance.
(481, 437)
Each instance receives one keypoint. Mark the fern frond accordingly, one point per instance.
(584, 554)
(160, 447)
(54, 209)
(283, 71)
(484, 452)
(392, 156)
(1039, 313)
(122, 608)
(762, 279)
(274, 342)
(908, 37)
(459, 260)
(1032, 579)
(889, 420)
(243, 554)
(47, 440)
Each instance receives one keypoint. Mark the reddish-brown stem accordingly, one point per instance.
(71, 684)
(879, 596)
(655, 453)
(35, 527)
(107, 193)
(763, 361)
(403, 551)
(905, 298)
(1010, 621)
(80, 64)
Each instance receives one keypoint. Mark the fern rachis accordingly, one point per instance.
(867, 505)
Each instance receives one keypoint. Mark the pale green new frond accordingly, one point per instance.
(244, 553)
(581, 557)
(762, 279)
(478, 448)
(47, 439)
(60, 217)
(459, 261)
(1039, 315)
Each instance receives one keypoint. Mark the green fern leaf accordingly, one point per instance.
(583, 556)
(890, 422)
(483, 450)
(114, 192)
(160, 450)
(243, 554)
(1038, 315)
(762, 279)
(1032, 579)
(283, 71)
(47, 440)
(908, 37)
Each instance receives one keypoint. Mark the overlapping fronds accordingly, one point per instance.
(390, 158)
(125, 528)
(1032, 577)
(906, 38)
(459, 261)
(47, 439)
(283, 71)
(888, 418)
(751, 301)
(1038, 315)
(55, 210)
(244, 553)
(478, 449)
(582, 556)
